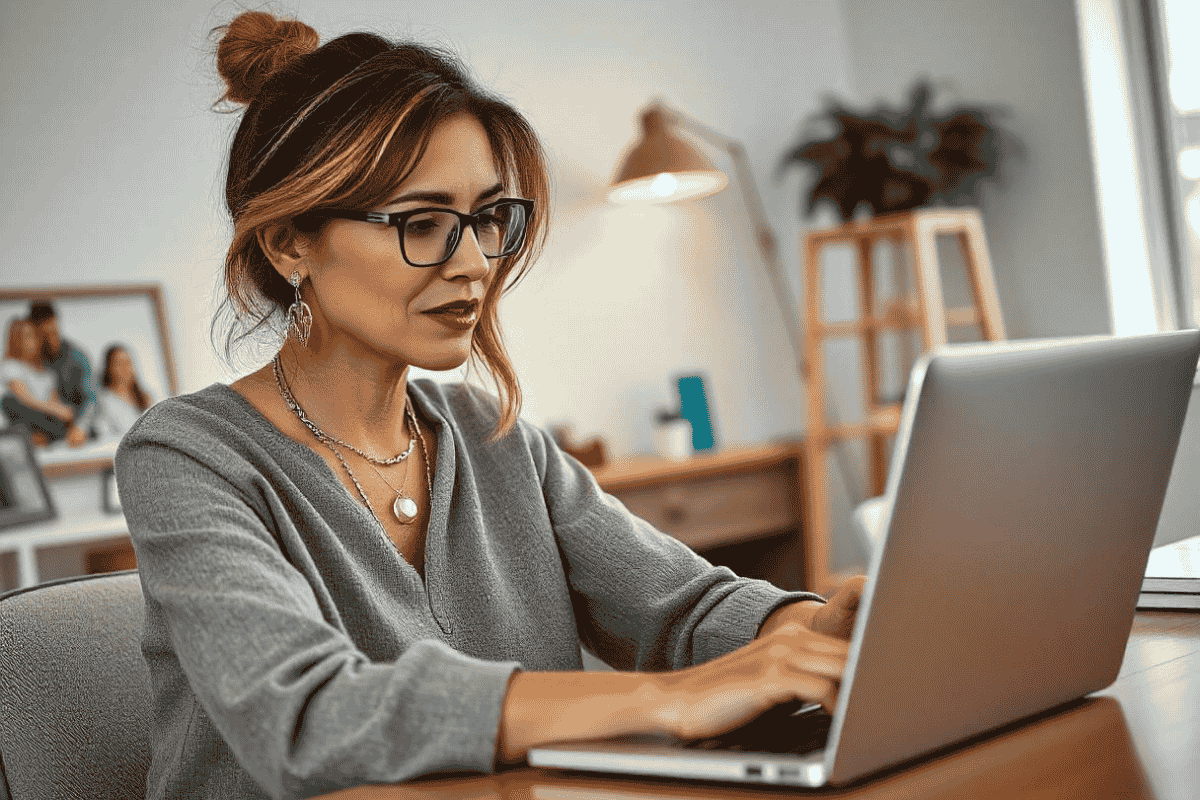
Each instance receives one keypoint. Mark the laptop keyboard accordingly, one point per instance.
(782, 729)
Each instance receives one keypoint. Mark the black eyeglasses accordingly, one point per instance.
(429, 236)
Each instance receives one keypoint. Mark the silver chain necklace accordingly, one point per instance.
(404, 508)
(320, 434)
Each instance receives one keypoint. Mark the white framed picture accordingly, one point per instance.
(96, 358)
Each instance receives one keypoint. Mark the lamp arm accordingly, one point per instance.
(763, 234)
(768, 244)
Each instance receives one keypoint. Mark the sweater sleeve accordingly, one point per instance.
(643, 599)
(301, 708)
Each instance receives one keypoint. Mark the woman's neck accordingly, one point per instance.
(360, 400)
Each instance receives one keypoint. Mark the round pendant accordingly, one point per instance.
(405, 508)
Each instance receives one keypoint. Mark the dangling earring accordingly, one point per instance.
(299, 315)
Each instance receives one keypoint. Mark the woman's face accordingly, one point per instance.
(121, 368)
(366, 299)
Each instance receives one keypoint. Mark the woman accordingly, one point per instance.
(121, 400)
(30, 390)
(351, 577)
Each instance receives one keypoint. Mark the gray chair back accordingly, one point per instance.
(75, 696)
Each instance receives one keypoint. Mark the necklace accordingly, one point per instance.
(404, 508)
(320, 434)
(397, 507)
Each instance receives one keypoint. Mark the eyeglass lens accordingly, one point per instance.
(432, 236)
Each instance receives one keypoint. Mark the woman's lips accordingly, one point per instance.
(459, 315)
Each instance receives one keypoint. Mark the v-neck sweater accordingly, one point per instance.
(294, 652)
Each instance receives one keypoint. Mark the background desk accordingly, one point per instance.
(742, 507)
(1138, 739)
(26, 541)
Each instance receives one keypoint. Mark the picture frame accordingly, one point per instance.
(93, 318)
(111, 499)
(24, 496)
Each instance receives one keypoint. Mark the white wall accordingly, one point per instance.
(113, 174)
(1044, 229)
(113, 168)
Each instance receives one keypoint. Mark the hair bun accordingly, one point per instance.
(256, 45)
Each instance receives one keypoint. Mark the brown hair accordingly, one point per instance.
(13, 343)
(107, 378)
(341, 126)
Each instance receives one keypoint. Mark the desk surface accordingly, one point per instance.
(638, 471)
(1140, 738)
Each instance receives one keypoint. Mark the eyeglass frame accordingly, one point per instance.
(398, 219)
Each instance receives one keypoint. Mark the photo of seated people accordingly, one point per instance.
(47, 380)
(49, 387)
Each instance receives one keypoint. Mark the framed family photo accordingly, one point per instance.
(24, 498)
(110, 343)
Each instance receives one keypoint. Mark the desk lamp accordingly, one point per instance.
(664, 167)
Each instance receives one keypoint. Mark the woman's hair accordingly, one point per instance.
(14, 345)
(341, 125)
(107, 379)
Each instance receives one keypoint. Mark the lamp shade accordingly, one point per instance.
(663, 167)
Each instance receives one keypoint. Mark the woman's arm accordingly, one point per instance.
(53, 407)
(643, 600)
(790, 663)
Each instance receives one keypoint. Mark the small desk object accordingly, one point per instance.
(740, 506)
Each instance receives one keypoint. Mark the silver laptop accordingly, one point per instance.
(1024, 492)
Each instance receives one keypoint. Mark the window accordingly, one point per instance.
(1171, 31)
(1163, 40)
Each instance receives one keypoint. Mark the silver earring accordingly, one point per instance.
(299, 315)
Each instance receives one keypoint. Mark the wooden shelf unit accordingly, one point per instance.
(923, 310)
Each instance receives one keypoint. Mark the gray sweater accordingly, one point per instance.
(294, 652)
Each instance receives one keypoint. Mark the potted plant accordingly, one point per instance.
(892, 160)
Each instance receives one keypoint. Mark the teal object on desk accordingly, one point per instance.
(693, 406)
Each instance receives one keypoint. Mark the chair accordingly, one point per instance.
(75, 711)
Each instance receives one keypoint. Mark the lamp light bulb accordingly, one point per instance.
(1189, 163)
(667, 187)
(664, 185)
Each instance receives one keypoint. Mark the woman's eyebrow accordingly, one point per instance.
(444, 198)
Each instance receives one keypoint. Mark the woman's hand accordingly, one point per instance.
(793, 662)
(836, 617)
(799, 654)
(75, 436)
(833, 618)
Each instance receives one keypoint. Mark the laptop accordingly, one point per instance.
(1025, 487)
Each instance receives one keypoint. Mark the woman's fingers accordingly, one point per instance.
(817, 686)
(836, 617)
(819, 662)
(787, 665)
(820, 643)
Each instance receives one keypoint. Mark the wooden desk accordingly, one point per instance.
(1138, 739)
(728, 505)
